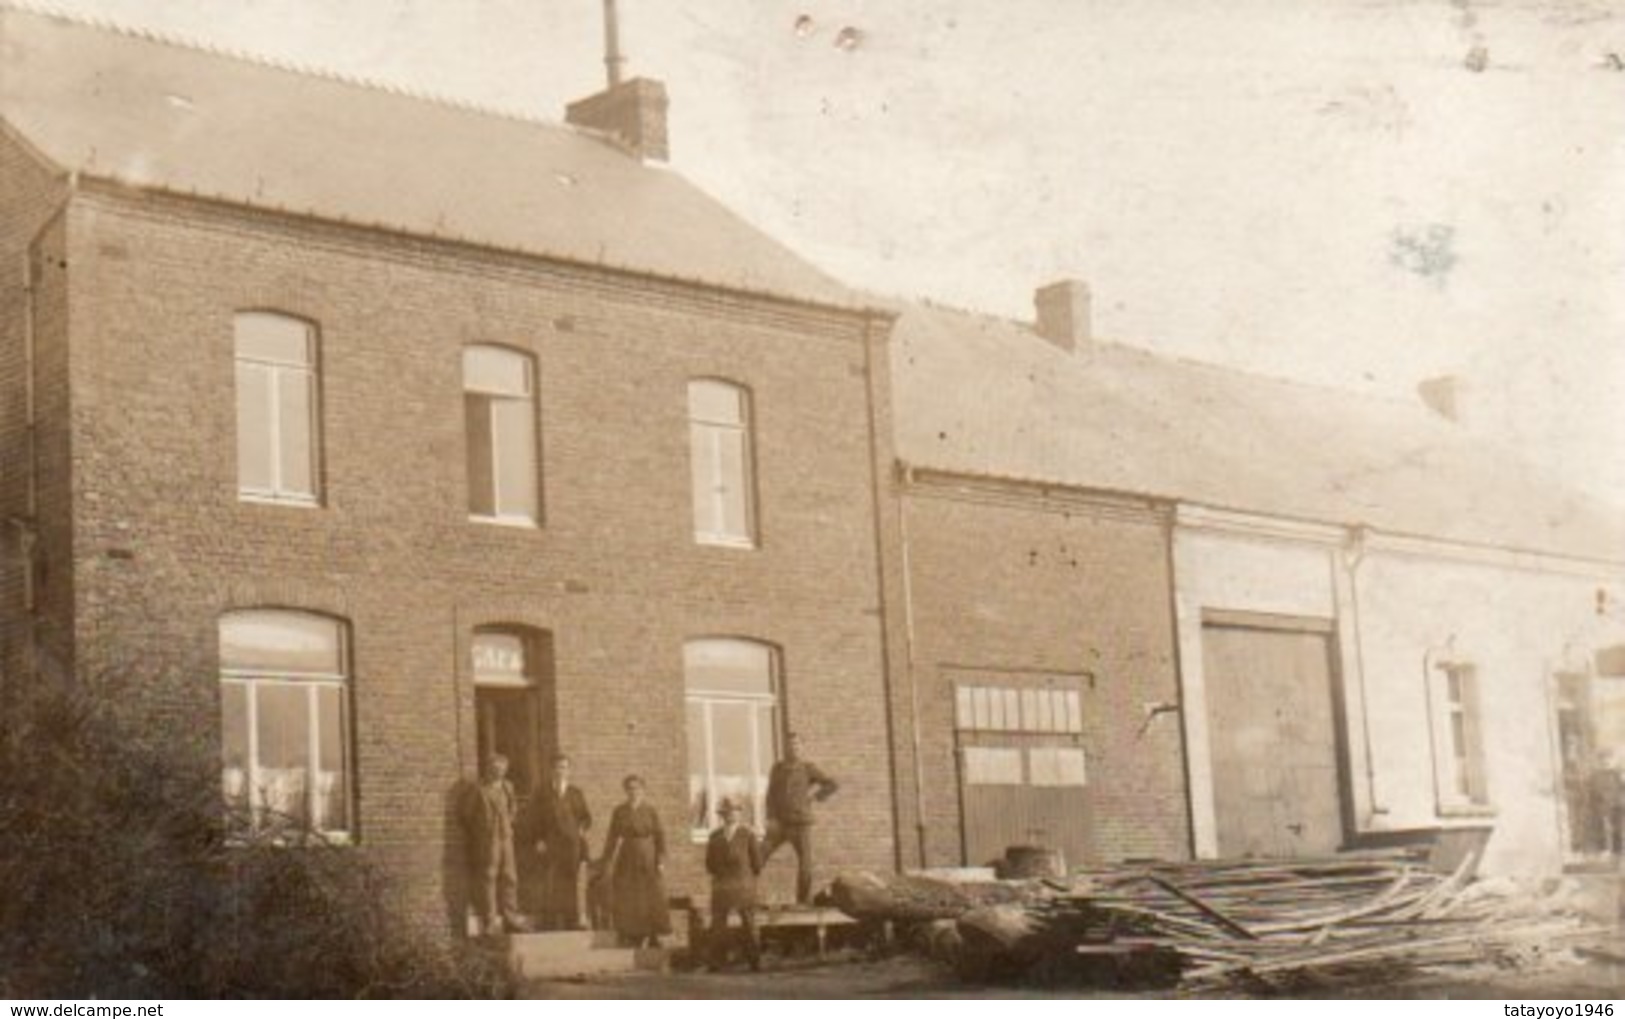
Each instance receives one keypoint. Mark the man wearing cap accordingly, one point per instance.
(793, 786)
(487, 817)
(733, 858)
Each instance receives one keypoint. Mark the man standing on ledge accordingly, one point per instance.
(792, 788)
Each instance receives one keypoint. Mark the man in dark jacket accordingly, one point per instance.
(792, 788)
(564, 820)
(733, 858)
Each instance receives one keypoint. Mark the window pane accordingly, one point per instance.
(279, 642)
(699, 799)
(494, 370)
(295, 427)
(255, 471)
(332, 775)
(262, 336)
(767, 751)
(996, 719)
(481, 472)
(992, 766)
(1056, 766)
(1453, 680)
(499, 658)
(702, 460)
(980, 715)
(515, 457)
(1029, 710)
(733, 484)
(962, 715)
(716, 402)
(728, 666)
(1012, 706)
(234, 744)
(1046, 711)
(733, 750)
(284, 750)
(1074, 712)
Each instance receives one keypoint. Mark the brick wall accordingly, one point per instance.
(162, 544)
(1011, 579)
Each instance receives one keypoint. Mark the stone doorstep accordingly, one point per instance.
(562, 954)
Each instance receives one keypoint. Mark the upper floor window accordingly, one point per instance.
(732, 693)
(278, 428)
(720, 455)
(499, 408)
(285, 728)
(1458, 738)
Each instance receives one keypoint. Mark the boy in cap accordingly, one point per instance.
(733, 858)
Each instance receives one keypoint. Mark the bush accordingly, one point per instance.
(118, 878)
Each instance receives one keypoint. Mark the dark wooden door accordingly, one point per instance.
(1276, 785)
(1024, 789)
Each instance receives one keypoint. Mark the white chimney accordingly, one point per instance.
(1063, 314)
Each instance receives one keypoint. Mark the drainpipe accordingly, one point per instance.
(27, 526)
(883, 479)
(1353, 557)
(907, 480)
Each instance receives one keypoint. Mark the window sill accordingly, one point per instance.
(518, 523)
(716, 541)
(314, 840)
(1466, 811)
(267, 499)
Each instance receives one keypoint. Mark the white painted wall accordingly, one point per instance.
(1398, 608)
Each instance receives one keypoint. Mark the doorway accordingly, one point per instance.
(1276, 739)
(515, 714)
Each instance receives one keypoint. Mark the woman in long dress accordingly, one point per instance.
(635, 853)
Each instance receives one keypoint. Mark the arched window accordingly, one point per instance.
(732, 689)
(285, 720)
(719, 424)
(499, 410)
(278, 427)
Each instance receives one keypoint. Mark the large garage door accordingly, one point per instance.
(1273, 732)
(1022, 771)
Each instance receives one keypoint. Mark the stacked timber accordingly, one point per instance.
(1252, 923)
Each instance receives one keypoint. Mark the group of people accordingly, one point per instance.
(630, 872)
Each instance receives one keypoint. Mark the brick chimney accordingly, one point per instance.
(1063, 314)
(1446, 396)
(633, 111)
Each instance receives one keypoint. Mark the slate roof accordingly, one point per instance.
(140, 110)
(988, 396)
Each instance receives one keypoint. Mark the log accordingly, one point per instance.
(866, 895)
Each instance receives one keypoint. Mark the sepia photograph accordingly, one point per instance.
(817, 499)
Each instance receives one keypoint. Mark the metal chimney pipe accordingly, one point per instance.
(613, 61)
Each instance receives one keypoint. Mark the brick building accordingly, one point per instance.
(1295, 619)
(374, 432)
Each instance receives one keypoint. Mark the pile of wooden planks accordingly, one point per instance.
(1252, 923)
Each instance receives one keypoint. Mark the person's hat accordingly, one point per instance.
(727, 807)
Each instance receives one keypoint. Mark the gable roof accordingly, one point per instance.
(143, 111)
(980, 395)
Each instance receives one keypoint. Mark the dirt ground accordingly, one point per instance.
(1575, 979)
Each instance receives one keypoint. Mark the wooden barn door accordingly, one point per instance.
(1022, 771)
(1274, 735)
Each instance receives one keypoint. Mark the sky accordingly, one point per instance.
(1356, 193)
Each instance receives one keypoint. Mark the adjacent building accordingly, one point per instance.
(1297, 619)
